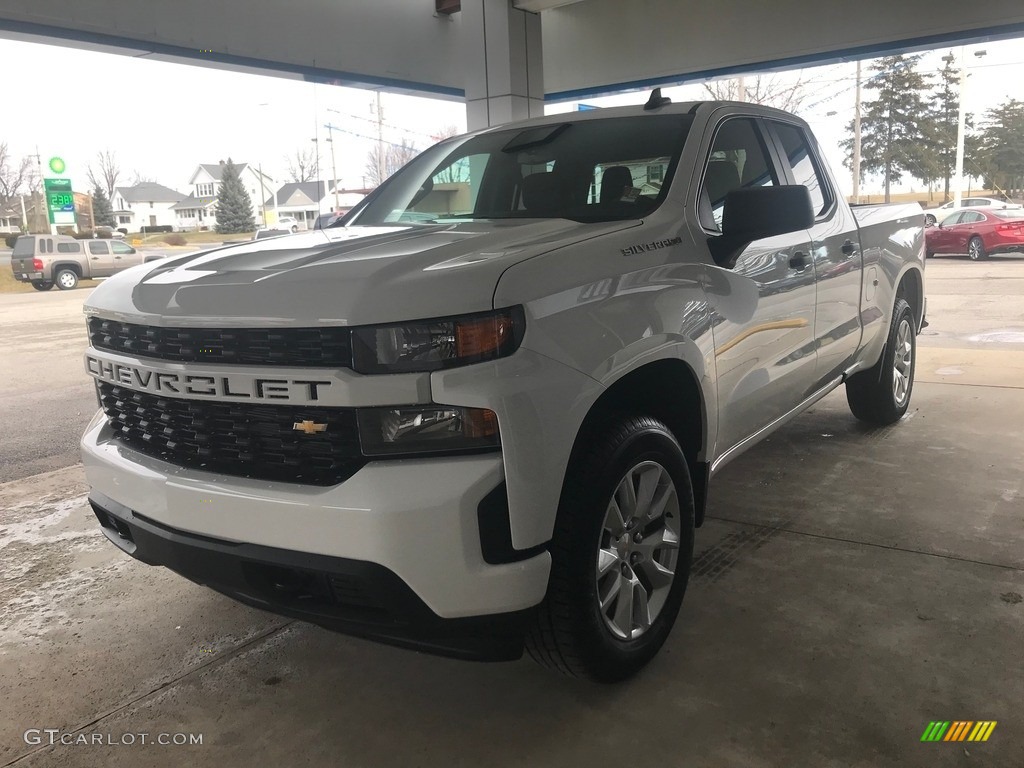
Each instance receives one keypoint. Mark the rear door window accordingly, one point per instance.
(69, 248)
(98, 247)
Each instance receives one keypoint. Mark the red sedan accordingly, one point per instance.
(978, 233)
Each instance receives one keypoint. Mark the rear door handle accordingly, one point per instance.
(849, 248)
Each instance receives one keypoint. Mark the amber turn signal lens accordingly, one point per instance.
(482, 336)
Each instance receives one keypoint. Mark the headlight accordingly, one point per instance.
(429, 345)
(426, 429)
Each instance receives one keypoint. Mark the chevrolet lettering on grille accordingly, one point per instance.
(213, 386)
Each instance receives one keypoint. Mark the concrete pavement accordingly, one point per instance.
(850, 586)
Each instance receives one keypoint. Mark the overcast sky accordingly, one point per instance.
(163, 119)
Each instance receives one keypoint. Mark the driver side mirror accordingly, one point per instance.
(756, 213)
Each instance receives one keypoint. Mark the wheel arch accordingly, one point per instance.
(911, 288)
(670, 391)
(72, 265)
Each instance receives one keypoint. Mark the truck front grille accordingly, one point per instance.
(253, 441)
(328, 347)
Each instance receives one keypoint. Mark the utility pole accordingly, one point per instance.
(334, 167)
(961, 129)
(381, 166)
(742, 88)
(263, 195)
(856, 141)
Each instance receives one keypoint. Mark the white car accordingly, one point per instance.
(932, 215)
(287, 222)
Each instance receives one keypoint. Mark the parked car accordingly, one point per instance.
(326, 219)
(287, 222)
(498, 434)
(932, 215)
(979, 233)
(61, 260)
(107, 232)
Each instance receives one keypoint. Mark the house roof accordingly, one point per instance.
(194, 202)
(216, 171)
(313, 190)
(149, 191)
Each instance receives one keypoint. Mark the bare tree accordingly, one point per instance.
(15, 175)
(394, 157)
(770, 90)
(302, 165)
(107, 173)
(141, 178)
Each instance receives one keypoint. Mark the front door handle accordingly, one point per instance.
(798, 261)
(849, 248)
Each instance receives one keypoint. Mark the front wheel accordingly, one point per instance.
(621, 552)
(42, 285)
(929, 220)
(881, 394)
(976, 249)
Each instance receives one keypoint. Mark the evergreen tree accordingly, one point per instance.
(893, 140)
(102, 210)
(234, 208)
(941, 127)
(1001, 147)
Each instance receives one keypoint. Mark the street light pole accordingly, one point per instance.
(856, 141)
(961, 127)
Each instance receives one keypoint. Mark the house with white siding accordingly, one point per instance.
(146, 204)
(198, 209)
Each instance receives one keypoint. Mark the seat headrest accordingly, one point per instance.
(614, 182)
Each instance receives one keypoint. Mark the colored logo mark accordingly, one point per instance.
(57, 165)
(958, 730)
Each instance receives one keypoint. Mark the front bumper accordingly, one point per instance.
(417, 519)
(351, 596)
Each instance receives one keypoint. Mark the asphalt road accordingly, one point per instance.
(46, 399)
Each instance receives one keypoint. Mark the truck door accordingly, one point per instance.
(764, 305)
(124, 255)
(835, 249)
(101, 260)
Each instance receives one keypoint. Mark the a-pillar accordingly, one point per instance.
(504, 72)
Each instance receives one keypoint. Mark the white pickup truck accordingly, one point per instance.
(482, 413)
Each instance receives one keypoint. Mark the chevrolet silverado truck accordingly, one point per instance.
(482, 412)
(62, 260)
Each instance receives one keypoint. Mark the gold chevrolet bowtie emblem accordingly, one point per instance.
(309, 427)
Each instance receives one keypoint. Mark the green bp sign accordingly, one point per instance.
(57, 165)
(60, 200)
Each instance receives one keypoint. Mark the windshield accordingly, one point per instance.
(592, 170)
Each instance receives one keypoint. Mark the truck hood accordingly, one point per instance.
(338, 276)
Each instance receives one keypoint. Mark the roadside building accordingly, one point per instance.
(147, 204)
(198, 210)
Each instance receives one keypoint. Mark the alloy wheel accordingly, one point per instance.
(903, 362)
(638, 550)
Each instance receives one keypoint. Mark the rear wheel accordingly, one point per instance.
(621, 552)
(929, 220)
(881, 394)
(42, 285)
(976, 249)
(66, 279)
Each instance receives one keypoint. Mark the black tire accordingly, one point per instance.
(66, 279)
(976, 249)
(295, 228)
(569, 633)
(873, 395)
(42, 285)
(929, 220)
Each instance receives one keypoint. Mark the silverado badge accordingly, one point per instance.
(309, 427)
